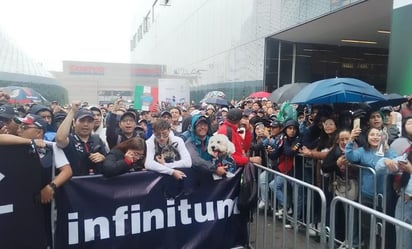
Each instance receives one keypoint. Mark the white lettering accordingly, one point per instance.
(136, 219)
(101, 223)
(119, 219)
(5, 209)
(73, 228)
(144, 220)
(200, 217)
(171, 214)
(184, 208)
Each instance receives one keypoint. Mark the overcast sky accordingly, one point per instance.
(51, 31)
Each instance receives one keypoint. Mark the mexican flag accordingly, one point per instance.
(146, 98)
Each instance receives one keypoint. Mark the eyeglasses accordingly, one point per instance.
(25, 127)
(162, 135)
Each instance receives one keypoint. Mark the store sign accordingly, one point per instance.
(87, 70)
(148, 72)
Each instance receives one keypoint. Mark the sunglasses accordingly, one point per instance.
(25, 127)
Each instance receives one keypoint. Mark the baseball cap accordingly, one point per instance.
(275, 124)
(386, 109)
(224, 109)
(7, 111)
(201, 119)
(142, 121)
(83, 113)
(234, 115)
(95, 108)
(164, 113)
(128, 113)
(195, 112)
(32, 119)
(264, 99)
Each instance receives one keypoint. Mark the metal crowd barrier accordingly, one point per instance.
(306, 186)
(265, 233)
(351, 205)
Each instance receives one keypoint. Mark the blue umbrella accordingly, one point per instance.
(391, 99)
(337, 90)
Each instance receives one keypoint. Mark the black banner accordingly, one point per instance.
(148, 210)
(21, 214)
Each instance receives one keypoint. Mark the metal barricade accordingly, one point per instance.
(351, 205)
(378, 202)
(268, 232)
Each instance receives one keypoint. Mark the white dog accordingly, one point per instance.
(221, 149)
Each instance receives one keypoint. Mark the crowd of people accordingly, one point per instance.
(111, 140)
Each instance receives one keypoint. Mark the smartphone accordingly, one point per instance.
(404, 159)
(356, 123)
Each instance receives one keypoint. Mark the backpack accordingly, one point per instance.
(247, 199)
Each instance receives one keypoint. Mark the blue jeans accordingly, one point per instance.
(406, 242)
(277, 185)
(263, 181)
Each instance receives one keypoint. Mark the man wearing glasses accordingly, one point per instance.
(31, 132)
(166, 152)
(126, 128)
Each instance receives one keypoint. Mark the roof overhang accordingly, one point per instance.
(360, 21)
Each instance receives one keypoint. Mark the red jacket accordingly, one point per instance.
(241, 145)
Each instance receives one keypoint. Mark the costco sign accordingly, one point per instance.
(92, 70)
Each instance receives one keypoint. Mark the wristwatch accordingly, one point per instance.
(53, 186)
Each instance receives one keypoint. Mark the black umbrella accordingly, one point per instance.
(286, 92)
(216, 101)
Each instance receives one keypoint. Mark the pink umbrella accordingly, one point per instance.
(259, 95)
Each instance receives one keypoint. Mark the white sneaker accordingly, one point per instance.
(261, 205)
(279, 212)
(312, 231)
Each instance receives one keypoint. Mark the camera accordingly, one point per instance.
(297, 147)
(241, 130)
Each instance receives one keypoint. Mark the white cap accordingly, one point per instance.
(195, 112)
(224, 109)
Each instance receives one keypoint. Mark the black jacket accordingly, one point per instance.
(114, 164)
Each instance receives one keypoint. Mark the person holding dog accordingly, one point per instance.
(197, 145)
(166, 152)
(230, 128)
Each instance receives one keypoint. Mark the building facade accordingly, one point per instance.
(100, 83)
(244, 46)
(18, 69)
